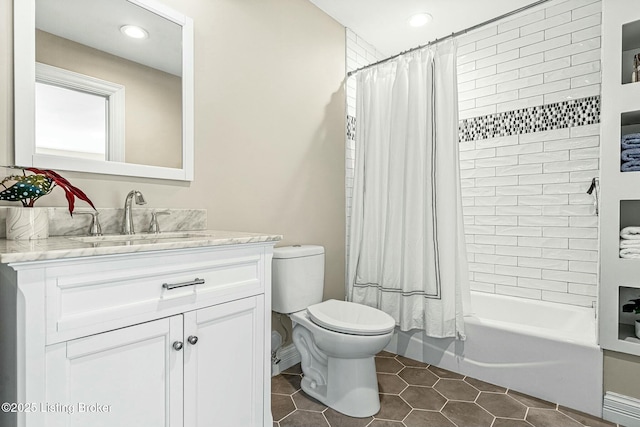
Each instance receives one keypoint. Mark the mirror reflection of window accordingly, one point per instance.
(70, 123)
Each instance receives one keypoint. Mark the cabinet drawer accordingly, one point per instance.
(86, 297)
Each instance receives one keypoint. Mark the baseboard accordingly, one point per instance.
(621, 409)
(289, 356)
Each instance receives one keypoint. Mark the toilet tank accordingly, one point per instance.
(297, 277)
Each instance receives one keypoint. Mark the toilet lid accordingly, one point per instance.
(351, 318)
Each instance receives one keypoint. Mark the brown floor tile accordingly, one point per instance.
(304, 419)
(390, 384)
(443, 373)
(285, 384)
(532, 402)
(385, 353)
(410, 362)
(308, 403)
(467, 414)
(502, 405)
(419, 418)
(281, 406)
(388, 365)
(483, 386)
(418, 376)
(295, 369)
(336, 419)
(586, 419)
(548, 418)
(423, 398)
(504, 422)
(456, 390)
(385, 423)
(392, 408)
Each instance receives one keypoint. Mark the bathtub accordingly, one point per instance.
(543, 349)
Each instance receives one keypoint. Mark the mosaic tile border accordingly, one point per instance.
(559, 115)
(351, 128)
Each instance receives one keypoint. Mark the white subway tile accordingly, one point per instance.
(585, 153)
(585, 34)
(569, 276)
(567, 6)
(478, 192)
(518, 210)
(467, 164)
(509, 55)
(497, 78)
(569, 210)
(497, 240)
(480, 249)
(557, 199)
(582, 176)
(582, 221)
(480, 210)
(518, 231)
(479, 34)
(545, 263)
(477, 112)
(521, 41)
(499, 38)
(497, 259)
(572, 232)
(496, 220)
(478, 154)
(583, 267)
(585, 80)
(519, 190)
(583, 289)
(587, 130)
(480, 268)
(519, 292)
(520, 104)
(544, 242)
(468, 201)
(572, 49)
(549, 156)
(476, 93)
(466, 86)
(496, 201)
(482, 287)
(544, 136)
(520, 62)
(545, 67)
(518, 170)
(465, 49)
(570, 254)
(519, 83)
(543, 220)
(566, 298)
(496, 181)
(581, 12)
(478, 54)
(581, 58)
(496, 279)
(534, 273)
(572, 143)
(549, 45)
(520, 149)
(547, 285)
(564, 188)
(581, 198)
(497, 142)
(576, 24)
(466, 145)
(479, 172)
(573, 71)
(476, 74)
(546, 23)
(572, 165)
(465, 68)
(545, 178)
(467, 183)
(519, 251)
(546, 88)
(521, 20)
(497, 98)
(497, 161)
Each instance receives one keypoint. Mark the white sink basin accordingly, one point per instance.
(115, 238)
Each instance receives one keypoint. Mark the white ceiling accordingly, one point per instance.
(384, 23)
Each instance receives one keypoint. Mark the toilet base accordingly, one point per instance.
(352, 387)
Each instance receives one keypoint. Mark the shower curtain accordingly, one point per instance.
(407, 252)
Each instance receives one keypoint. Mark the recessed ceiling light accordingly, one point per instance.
(420, 19)
(134, 32)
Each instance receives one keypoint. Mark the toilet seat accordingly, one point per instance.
(350, 318)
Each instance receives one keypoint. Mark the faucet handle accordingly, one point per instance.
(154, 226)
(94, 228)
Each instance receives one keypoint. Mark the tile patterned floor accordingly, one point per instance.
(414, 394)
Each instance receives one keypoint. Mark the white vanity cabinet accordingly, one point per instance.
(169, 338)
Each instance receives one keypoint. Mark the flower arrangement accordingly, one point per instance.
(632, 308)
(29, 188)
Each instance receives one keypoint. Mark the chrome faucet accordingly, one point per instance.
(127, 224)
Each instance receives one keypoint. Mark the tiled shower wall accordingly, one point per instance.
(529, 96)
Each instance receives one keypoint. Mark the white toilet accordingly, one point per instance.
(337, 340)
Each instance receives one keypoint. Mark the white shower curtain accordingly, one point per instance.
(407, 252)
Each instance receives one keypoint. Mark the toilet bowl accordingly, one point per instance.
(337, 340)
(338, 356)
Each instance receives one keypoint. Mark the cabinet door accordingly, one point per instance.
(224, 370)
(132, 377)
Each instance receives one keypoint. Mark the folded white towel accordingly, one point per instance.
(630, 253)
(632, 233)
(627, 243)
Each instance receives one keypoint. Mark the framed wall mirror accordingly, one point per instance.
(104, 86)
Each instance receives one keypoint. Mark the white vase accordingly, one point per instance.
(27, 223)
(638, 328)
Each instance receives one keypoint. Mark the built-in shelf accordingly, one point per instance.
(626, 321)
(629, 124)
(627, 333)
(630, 48)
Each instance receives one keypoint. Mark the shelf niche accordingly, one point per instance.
(626, 321)
(630, 48)
(629, 124)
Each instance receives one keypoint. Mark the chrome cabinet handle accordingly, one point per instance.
(192, 339)
(177, 345)
(193, 282)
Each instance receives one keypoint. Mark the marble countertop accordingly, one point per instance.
(61, 247)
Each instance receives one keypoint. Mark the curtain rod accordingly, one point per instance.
(452, 35)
